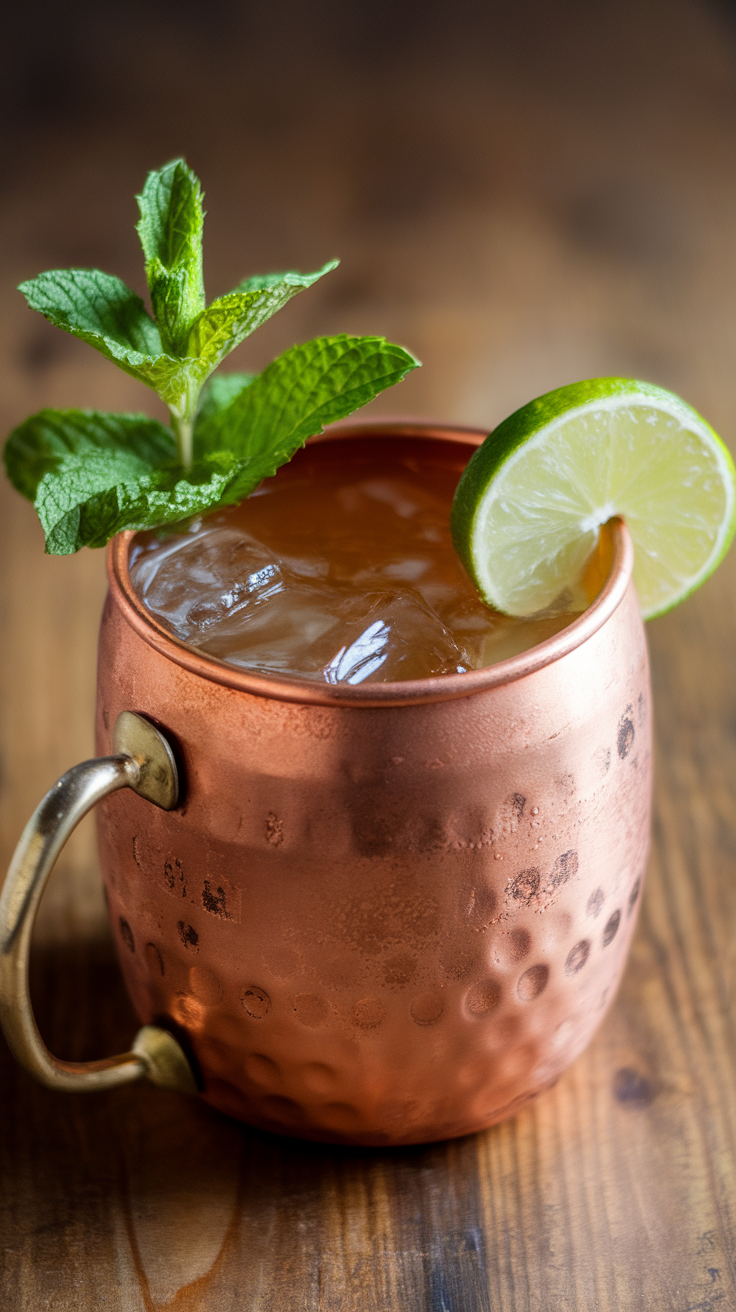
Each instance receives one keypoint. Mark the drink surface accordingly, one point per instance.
(340, 568)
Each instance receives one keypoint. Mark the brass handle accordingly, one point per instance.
(144, 762)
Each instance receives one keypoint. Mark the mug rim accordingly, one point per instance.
(408, 692)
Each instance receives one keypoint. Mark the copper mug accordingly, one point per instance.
(381, 914)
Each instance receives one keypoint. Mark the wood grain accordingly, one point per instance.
(523, 198)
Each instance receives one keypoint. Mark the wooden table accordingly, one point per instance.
(523, 199)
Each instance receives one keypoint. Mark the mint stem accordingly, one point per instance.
(183, 428)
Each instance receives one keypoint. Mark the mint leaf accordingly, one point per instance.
(219, 391)
(100, 309)
(47, 442)
(92, 475)
(305, 388)
(294, 398)
(170, 230)
(85, 505)
(232, 318)
(267, 281)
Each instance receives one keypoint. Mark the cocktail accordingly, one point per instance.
(386, 887)
(341, 568)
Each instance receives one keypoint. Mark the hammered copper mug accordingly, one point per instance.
(388, 913)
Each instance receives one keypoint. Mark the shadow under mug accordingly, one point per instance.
(388, 913)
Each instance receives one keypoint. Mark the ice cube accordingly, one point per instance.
(366, 654)
(291, 630)
(204, 578)
(398, 637)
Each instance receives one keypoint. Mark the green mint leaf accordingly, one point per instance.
(219, 391)
(99, 308)
(294, 398)
(170, 230)
(76, 511)
(92, 475)
(48, 441)
(232, 318)
(260, 281)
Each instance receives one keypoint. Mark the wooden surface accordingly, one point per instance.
(523, 199)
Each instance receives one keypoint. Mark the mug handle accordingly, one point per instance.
(144, 762)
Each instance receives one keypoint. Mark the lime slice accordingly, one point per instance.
(530, 504)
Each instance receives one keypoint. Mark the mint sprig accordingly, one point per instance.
(170, 230)
(91, 474)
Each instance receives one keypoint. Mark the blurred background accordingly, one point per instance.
(523, 194)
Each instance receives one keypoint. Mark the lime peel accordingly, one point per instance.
(530, 504)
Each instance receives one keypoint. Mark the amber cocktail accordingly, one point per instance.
(339, 569)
